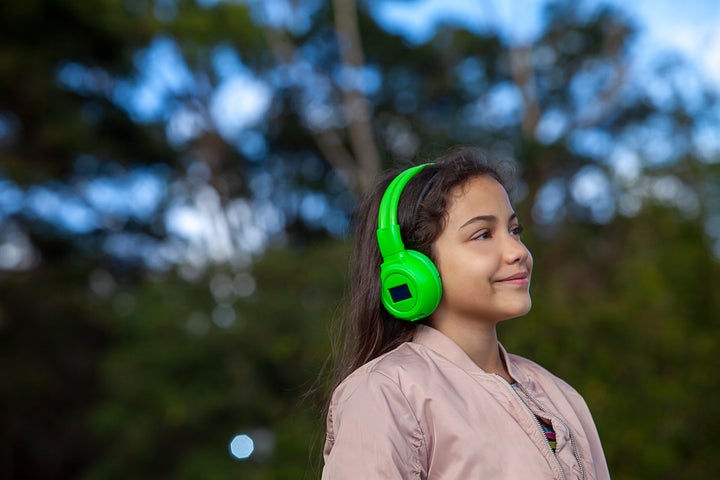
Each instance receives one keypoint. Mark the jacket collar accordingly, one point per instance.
(446, 347)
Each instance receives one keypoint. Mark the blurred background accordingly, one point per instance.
(176, 184)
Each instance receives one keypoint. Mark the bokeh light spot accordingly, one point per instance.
(242, 446)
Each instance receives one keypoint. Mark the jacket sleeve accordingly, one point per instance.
(372, 432)
(596, 450)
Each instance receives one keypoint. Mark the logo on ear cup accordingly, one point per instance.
(411, 286)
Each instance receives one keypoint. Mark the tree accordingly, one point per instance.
(133, 194)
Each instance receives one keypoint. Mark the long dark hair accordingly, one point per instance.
(367, 330)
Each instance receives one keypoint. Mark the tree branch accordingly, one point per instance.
(327, 140)
(524, 79)
(605, 101)
(356, 106)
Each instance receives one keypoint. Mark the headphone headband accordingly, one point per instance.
(388, 233)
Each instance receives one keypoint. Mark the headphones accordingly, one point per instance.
(410, 281)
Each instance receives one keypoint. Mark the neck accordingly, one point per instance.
(478, 340)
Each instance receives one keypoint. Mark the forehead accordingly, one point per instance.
(481, 195)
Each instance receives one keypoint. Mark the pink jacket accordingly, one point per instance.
(426, 411)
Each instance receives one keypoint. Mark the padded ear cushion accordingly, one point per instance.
(411, 287)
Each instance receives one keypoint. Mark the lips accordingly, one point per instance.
(520, 278)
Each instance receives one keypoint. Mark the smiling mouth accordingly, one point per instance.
(521, 278)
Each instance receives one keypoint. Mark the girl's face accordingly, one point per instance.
(484, 266)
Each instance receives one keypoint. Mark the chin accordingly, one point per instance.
(519, 310)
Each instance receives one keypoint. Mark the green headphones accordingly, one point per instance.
(410, 281)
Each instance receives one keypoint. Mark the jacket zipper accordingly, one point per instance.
(537, 422)
(573, 445)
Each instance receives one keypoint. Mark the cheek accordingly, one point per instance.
(530, 262)
(453, 274)
(464, 275)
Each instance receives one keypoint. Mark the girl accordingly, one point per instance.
(427, 391)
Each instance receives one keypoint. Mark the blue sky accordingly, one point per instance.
(689, 27)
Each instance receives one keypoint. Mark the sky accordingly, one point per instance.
(689, 27)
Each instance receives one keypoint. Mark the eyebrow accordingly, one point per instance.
(486, 218)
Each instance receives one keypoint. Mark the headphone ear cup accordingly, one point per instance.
(411, 286)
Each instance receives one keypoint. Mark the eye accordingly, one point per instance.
(517, 230)
(482, 235)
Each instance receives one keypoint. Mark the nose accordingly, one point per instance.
(516, 251)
